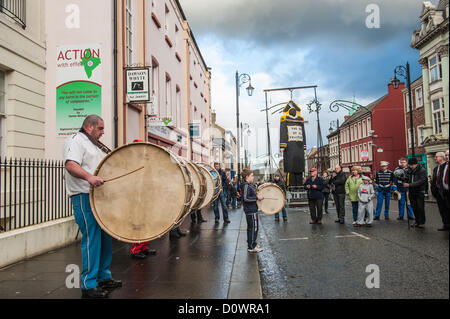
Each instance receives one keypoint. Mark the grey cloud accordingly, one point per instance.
(333, 22)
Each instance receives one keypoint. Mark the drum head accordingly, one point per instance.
(274, 199)
(144, 204)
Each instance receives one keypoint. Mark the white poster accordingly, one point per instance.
(295, 134)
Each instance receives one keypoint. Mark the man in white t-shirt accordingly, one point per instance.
(82, 154)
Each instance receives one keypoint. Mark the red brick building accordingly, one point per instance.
(375, 133)
(418, 121)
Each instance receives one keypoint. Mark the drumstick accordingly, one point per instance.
(271, 198)
(112, 179)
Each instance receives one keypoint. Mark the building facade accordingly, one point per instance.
(375, 133)
(334, 147)
(151, 34)
(22, 78)
(432, 41)
(418, 115)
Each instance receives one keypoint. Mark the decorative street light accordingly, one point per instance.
(240, 80)
(404, 72)
(334, 126)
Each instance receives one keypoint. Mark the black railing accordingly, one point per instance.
(32, 192)
(15, 9)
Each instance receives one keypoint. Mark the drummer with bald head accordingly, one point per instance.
(83, 151)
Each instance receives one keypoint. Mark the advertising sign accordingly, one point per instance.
(78, 86)
(138, 85)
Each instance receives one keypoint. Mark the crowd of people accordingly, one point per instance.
(408, 182)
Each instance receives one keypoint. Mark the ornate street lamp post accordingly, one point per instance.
(240, 80)
(404, 72)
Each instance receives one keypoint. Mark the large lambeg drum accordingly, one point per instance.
(274, 198)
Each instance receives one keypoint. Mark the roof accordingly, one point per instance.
(363, 111)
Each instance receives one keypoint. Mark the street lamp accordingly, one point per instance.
(404, 72)
(240, 80)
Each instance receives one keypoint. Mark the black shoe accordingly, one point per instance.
(342, 222)
(110, 284)
(386, 218)
(411, 218)
(445, 228)
(277, 219)
(227, 221)
(337, 221)
(200, 219)
(139, 255)
(94, 293)
(149, 252)
(216, 221)
(181, 233)
(377, 218)
(285, 219)
(400, 218)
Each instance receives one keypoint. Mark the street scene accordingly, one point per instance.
(236, 153)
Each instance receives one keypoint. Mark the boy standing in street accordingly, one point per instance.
(366, 194)
(251, 210)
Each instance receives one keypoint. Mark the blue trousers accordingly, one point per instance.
(355, 208)
(283, 211)
(96, 245)
(381, 197)
(222, 201)
(401, 207)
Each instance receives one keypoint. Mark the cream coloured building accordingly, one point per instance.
(22, 78)
(432, 40)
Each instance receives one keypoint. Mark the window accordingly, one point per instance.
(435, 68)
(419, 98)
(169, 112)
(155, 85)
(15, 9)
(438, 115)
(369, 126)
(359, 130)
(420, 134)
(406, 97)
(2, 113)
(370, 148)
(409, 138)
(129, 34)
(178, 107)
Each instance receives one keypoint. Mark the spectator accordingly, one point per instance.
(403, 192)
(278, 181)
(438, 190)
(314, 185)
(417, 184)
(337, 187)
(326, 190)
(351, 189)
(384, 180)
(366, 193)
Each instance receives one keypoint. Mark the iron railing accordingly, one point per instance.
(15, 9)
(32, 192)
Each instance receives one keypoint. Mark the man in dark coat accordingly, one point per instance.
(438, 190)
(418, 184)
(314, 185)
(337, 183)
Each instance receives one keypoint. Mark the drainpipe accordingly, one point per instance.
(116, 119)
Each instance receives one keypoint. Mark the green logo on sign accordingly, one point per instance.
(90, 63)
(167, 121)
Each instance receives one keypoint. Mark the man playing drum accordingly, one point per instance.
(82, 154)
(221, 199)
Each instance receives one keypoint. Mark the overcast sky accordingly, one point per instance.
(287, 43)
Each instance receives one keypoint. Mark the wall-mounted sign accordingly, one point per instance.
(138, 84)
(364, 154)
(194, 129)
(78, 86)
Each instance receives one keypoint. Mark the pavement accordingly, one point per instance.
(211, 262)
(329, 261)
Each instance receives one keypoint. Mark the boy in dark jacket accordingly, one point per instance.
(280, 183)
(249, 199)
